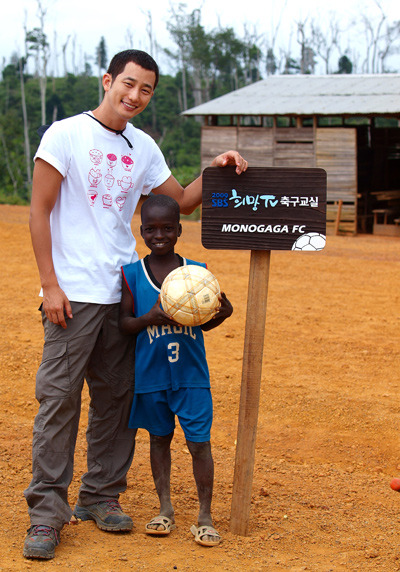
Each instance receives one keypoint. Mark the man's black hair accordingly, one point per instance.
(163, 201)
(142, 59)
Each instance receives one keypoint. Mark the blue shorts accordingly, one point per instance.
(156, 412)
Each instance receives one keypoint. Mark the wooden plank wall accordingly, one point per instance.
(294, 147)
(332, 149)
(336, 152)
(216, 140)
(257, 143)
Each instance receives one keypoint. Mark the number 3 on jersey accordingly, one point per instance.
(173, 350)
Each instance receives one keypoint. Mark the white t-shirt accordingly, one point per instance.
(91, 220)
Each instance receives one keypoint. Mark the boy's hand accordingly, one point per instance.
(225, 309)
(157, 316)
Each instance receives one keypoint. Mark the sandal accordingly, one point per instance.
(200, 532)
(164, 521)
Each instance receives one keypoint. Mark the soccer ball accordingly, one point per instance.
(310, 241)
(189, 294)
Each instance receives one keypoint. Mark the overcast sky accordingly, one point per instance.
(116, 20)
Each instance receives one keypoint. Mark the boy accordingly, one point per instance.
(171, 372)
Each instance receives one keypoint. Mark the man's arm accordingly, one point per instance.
(190, 197)
(46, 184)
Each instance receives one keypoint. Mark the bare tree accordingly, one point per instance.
(129, 41)
(381, 38)
(55, 71)
(372, 33)
(390, 38)
(64, 53)
(287, 63)
(324, 41)
(37, 44)
(252, 41)
(307, 57)
(74, 69)
(21, 63)
(26, 130)
(176, 29)
(271, 65)
(44, 49)
(101, 59)
(149, 30)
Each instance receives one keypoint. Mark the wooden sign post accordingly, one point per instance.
(250, 389)
(261, 210)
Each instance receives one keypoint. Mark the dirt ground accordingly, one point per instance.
(328, 431)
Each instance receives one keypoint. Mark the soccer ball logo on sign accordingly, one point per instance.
(311, 241)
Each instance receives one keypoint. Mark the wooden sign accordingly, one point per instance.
(265, 208)
(260, 210)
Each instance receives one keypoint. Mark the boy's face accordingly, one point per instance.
(160, 230)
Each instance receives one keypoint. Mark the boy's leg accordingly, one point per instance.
(193, 406)
(203, 471)
(160, 459)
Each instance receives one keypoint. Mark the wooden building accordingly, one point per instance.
(348, 125)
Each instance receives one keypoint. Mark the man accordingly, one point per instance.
(90, 171)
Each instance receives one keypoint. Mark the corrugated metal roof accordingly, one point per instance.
(310, 95)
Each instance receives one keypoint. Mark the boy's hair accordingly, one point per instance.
(142, 59)
(163, 201)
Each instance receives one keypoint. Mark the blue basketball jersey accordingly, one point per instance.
(166, 357)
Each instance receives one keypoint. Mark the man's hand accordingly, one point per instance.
(56, 305)
(231, 158)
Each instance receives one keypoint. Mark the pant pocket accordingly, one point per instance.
(52, 378)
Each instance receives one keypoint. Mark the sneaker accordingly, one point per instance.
(41, 541)
(107, 514)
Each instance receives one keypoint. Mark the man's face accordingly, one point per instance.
(130, 92)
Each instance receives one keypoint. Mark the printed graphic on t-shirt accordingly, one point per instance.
(111, 160)
(96, 156)
(94, 177)
(125, 183)
(127, 162)
(98, 178)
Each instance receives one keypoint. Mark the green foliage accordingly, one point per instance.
(344, 65)
(185, 175)
(208, 65)
(178, 137)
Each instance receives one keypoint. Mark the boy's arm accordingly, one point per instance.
(46, 184)
(130, 324)
(190, 197)
(224, 312)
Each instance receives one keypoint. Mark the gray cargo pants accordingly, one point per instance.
(91, 347)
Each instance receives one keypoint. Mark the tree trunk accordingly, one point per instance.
(26, 131)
